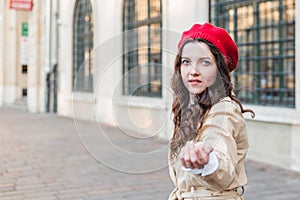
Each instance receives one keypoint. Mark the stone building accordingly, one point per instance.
(111, 61)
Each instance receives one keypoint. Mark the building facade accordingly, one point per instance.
(111, 62)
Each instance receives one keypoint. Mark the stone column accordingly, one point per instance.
(10, 55)
(1, 51)
(297, 56)
(36, 71)
(296, 127)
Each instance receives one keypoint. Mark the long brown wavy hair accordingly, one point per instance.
(188, 118)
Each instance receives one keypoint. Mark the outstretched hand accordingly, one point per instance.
(195, 155)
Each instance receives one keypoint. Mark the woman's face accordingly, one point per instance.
(198, 67)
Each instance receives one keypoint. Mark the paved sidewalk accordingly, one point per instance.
(48, 157)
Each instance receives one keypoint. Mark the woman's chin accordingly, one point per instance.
(195, 91)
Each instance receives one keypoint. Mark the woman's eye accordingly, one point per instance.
(185, 61)
(205, 62)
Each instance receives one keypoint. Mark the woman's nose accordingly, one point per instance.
(194, 70)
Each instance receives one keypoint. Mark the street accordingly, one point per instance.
(49, 157)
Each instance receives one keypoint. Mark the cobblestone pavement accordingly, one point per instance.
(48, 157)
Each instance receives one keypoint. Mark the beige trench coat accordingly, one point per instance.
(224, 128)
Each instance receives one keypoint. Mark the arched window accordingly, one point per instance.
(142, 69)
(83, 33)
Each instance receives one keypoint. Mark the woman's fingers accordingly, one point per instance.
(185, 156)
(203, 152)
(195, 155)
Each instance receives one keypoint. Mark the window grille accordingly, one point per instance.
(83, 32)
(265, 35)
(142, 69)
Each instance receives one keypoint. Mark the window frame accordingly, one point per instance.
(285, 60)
(83, 44)
(142, 78)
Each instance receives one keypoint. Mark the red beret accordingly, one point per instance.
(218, 37)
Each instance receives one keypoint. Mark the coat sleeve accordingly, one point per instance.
(224, 130)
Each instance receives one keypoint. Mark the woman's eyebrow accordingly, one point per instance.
(205, 58)
(200, 58)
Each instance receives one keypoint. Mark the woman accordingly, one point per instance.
(209, 144)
